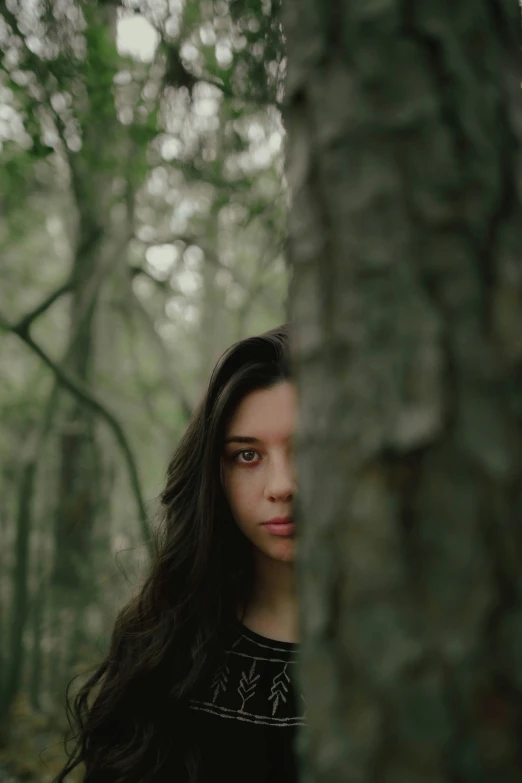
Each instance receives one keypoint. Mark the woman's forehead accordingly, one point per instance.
(265, 412)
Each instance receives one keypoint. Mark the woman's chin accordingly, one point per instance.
(283, 550)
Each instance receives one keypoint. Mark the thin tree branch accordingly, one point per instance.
(210, 256)
(23, 325)
(138, 270)
(83, 394)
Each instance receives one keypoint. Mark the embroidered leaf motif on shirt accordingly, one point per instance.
(219, 683)
(247, 685)
(279, 689)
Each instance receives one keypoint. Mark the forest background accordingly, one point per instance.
(144, 228)
(143, 209)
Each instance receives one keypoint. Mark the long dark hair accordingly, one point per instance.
(172, 633)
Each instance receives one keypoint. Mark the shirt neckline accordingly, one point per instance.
(265, 640)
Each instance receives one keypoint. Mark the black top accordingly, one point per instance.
(247, 714)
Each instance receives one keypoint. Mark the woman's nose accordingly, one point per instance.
(281, 481)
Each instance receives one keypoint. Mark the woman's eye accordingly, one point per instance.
(246, 453)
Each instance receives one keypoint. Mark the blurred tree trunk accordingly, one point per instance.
(78, 479)
(92, 172)
(404, 148)
(77, 638)
(20, 605)
(35, 679)
(11, 675)
(57, 666)
(92, 169)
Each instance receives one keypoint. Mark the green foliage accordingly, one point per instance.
(17, 180)
(259, 66)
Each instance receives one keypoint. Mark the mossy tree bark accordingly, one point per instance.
(404, 126)
(92, 171)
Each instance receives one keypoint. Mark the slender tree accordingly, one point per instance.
(404, 130)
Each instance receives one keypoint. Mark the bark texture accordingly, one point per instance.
(404, 130)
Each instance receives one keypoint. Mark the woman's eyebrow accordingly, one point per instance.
(246, 439)
(241, 439)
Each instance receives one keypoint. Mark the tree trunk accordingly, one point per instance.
(20, 607)
(10, 679)
(57, 671)
(92, 173)
(36, 659)
(77, 500)
(404, 138)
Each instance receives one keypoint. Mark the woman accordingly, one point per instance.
(198, 682)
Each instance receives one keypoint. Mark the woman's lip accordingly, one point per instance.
(280, 528)
(278, 520)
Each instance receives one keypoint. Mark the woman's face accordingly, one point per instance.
(257, 466)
